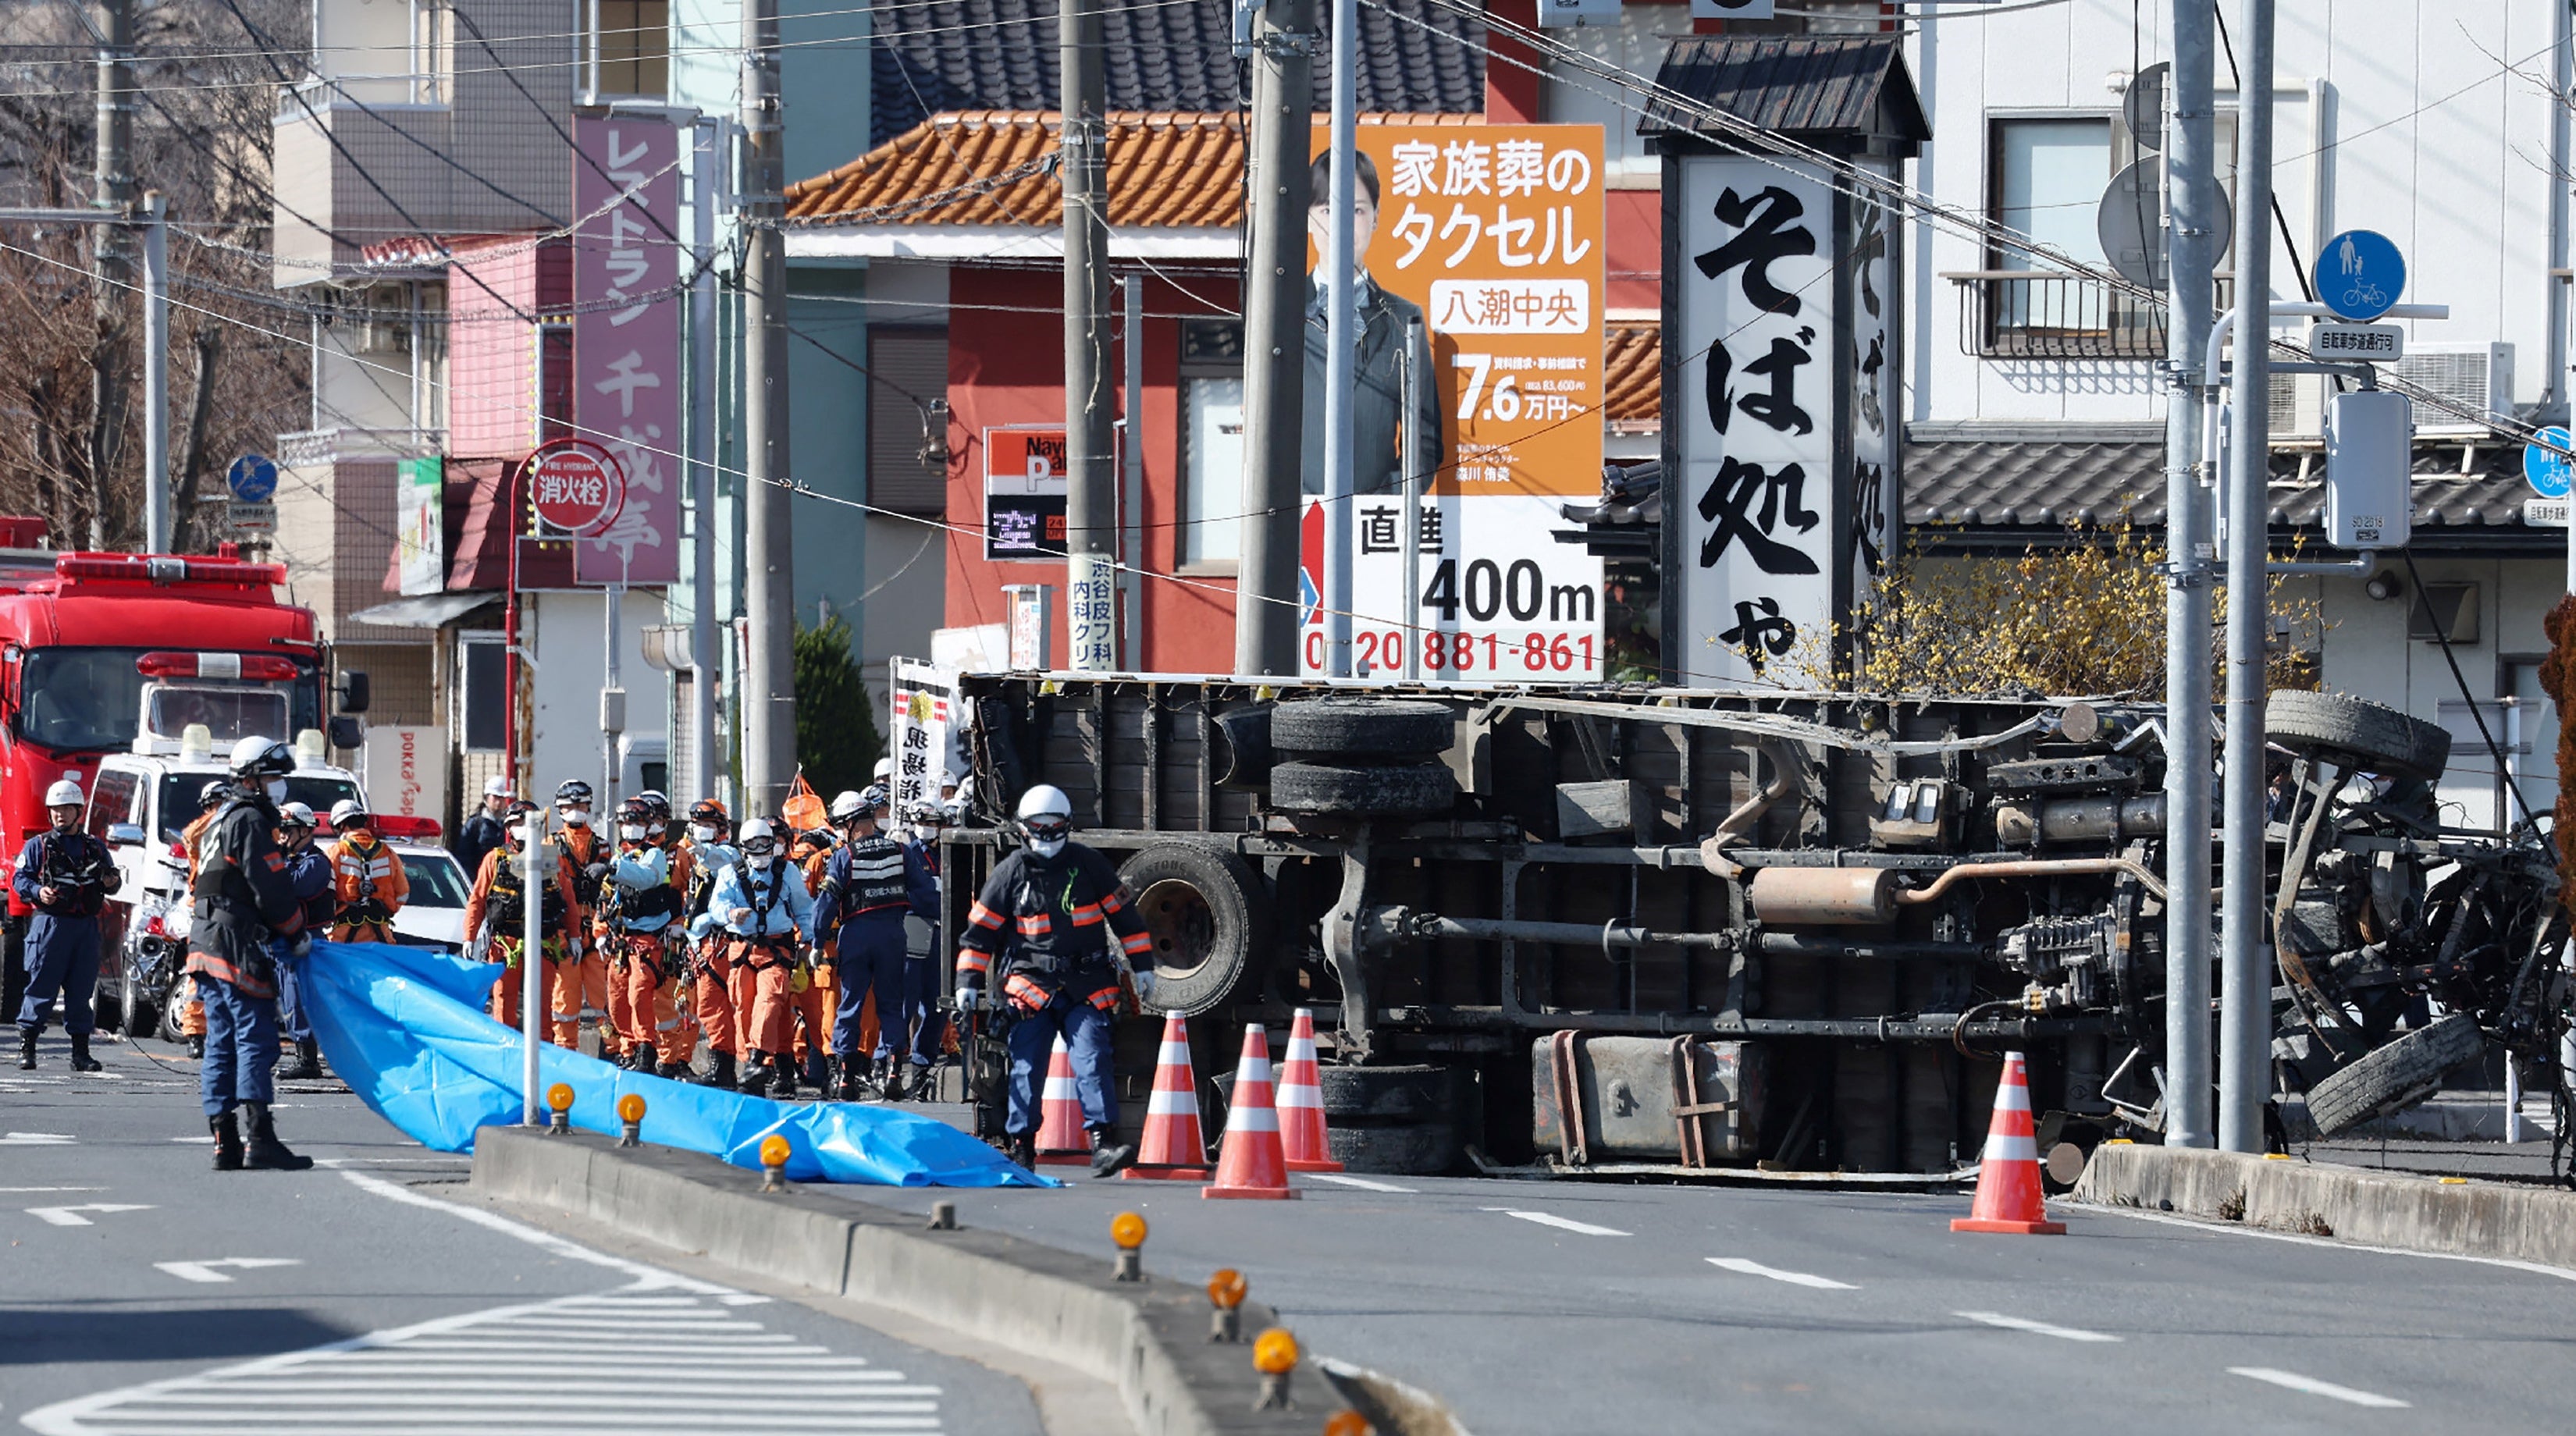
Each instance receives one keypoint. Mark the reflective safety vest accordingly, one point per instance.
(365, 871)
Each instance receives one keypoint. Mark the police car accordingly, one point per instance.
(141, 805)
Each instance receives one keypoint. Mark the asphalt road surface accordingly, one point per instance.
(143, 1294)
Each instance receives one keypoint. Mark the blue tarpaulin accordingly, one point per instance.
(404, 1027)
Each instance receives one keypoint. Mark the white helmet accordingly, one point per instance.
(758, 830)
(885, 768)
(64, 794)
(497, 788)
(256, 757)
(1046, 815)
(343, 811)
(295, 814)
(845, 806)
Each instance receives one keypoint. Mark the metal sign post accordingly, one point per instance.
(532, 966)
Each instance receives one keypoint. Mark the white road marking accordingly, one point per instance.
(393, 1383)
(202, 1141)
(2235, 1230)
(205, 1270)
(1794, 1278)
(2314, 1387)
(1550, 1219)
(20, 1190)
(2036, 1328)
(71, 1216)
(36, 1139)
(1363, 1183)
(646, 1278)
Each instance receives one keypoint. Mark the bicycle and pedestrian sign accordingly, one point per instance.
(2545, 465)
(2359, 274)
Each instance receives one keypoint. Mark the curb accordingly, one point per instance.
(2388, 1209)
(1148, 1339)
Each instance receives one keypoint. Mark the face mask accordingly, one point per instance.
(631, 832)
(576, 817)
(700, 832)
(656, 829)
(1047, 847)
(277, 790)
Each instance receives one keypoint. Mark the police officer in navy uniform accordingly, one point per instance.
(310, 867)
(868, 887)
(65, 875)
(1059, 916)
(245, 897)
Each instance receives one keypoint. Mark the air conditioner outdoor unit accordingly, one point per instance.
(2298, 406)
(2474, 377)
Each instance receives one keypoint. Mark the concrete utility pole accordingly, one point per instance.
(1341, 342)
(1274, 338)
(156, 373)
(706, 666)
(1131, 476)
(113, 174)
(2245, 1046)
(768, 699)
(1090, 523)
(2191, 196)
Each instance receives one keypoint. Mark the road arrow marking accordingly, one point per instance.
(2314, 1387)
(71, 1216)
(205, 1270)
(2036, 1328)
(1568, 1224)
(35, 1139)
(1794, 1278)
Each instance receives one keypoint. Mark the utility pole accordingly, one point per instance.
(1341, 342)
(706, 667)
(1274, 338)
(2191, 197)
(113, 175)
(1131, 476)
(1090, 521)
(769, 683)
(2245, 1024)
(156, 373)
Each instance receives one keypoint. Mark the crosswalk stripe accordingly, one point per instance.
(555, 1368)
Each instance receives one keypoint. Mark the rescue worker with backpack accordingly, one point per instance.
(369, 876)
(710, 850)
(66, 876)
(1056, 917)
(496, 913)
(244, 898)
(579, 979)
(638, 924)
(868, 887)
(816, 989)
(310, 869)
(192, 1016)
(765, 911)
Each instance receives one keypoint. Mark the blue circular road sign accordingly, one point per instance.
(252, 478)
(2546, 469)
(2359, 274)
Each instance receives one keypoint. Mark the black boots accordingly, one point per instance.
(263, 1149)
(307, 1066)
(849, 1083)
(676, 1071)
(228, 1143)
(755, 1074)
(81, 1060)
(1022, 1147)
(721, 1074)
(197, 1047)
(1107, 1155)
(27, 1049)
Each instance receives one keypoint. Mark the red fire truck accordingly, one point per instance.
(98, 648)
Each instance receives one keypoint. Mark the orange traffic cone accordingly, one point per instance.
(2008, 1195)
(1301, 1102)
(1061, 1138)
(1249, 1162)
(1174, 1148)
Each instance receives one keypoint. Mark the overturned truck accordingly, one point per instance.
(1620, 930)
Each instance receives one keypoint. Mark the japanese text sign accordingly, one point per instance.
(928, 718)
(1025, 492)
(628, 268)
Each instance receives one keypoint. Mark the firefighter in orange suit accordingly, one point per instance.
(820, 998)
(638, 928)
(496, 913)
(367, 875)
(710, 850)
(578, 981)
(768, 918)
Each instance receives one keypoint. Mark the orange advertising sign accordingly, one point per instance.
(1491, 235)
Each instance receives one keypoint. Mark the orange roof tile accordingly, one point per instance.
(1167, 170)
(1632, 370)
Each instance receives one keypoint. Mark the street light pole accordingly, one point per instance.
(1341, 342)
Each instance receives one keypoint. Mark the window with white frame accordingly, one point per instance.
(1211, 527)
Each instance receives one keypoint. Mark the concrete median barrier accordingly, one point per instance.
(2373, 1208)
(1148, 1339)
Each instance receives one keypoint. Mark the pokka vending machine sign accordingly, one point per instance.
(1490, 236)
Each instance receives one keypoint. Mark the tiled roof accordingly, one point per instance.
(1167, 169)
(1817, 88)
(928, 57)
(1632, 371)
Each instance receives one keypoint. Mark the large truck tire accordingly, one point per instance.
(2394, 1077)
(1330, 788)
(1394, 1121)
(1209, 916)
(2375, 735)
(1362, 727)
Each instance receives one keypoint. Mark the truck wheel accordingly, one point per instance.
(1421, 1149)
(1394, 1121)
(2379, 737)
(1209, 916)
(2394, 1077)
(1363, 792)
(1362, 727)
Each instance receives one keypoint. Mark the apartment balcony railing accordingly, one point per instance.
(309, 447)
(2038, 314)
